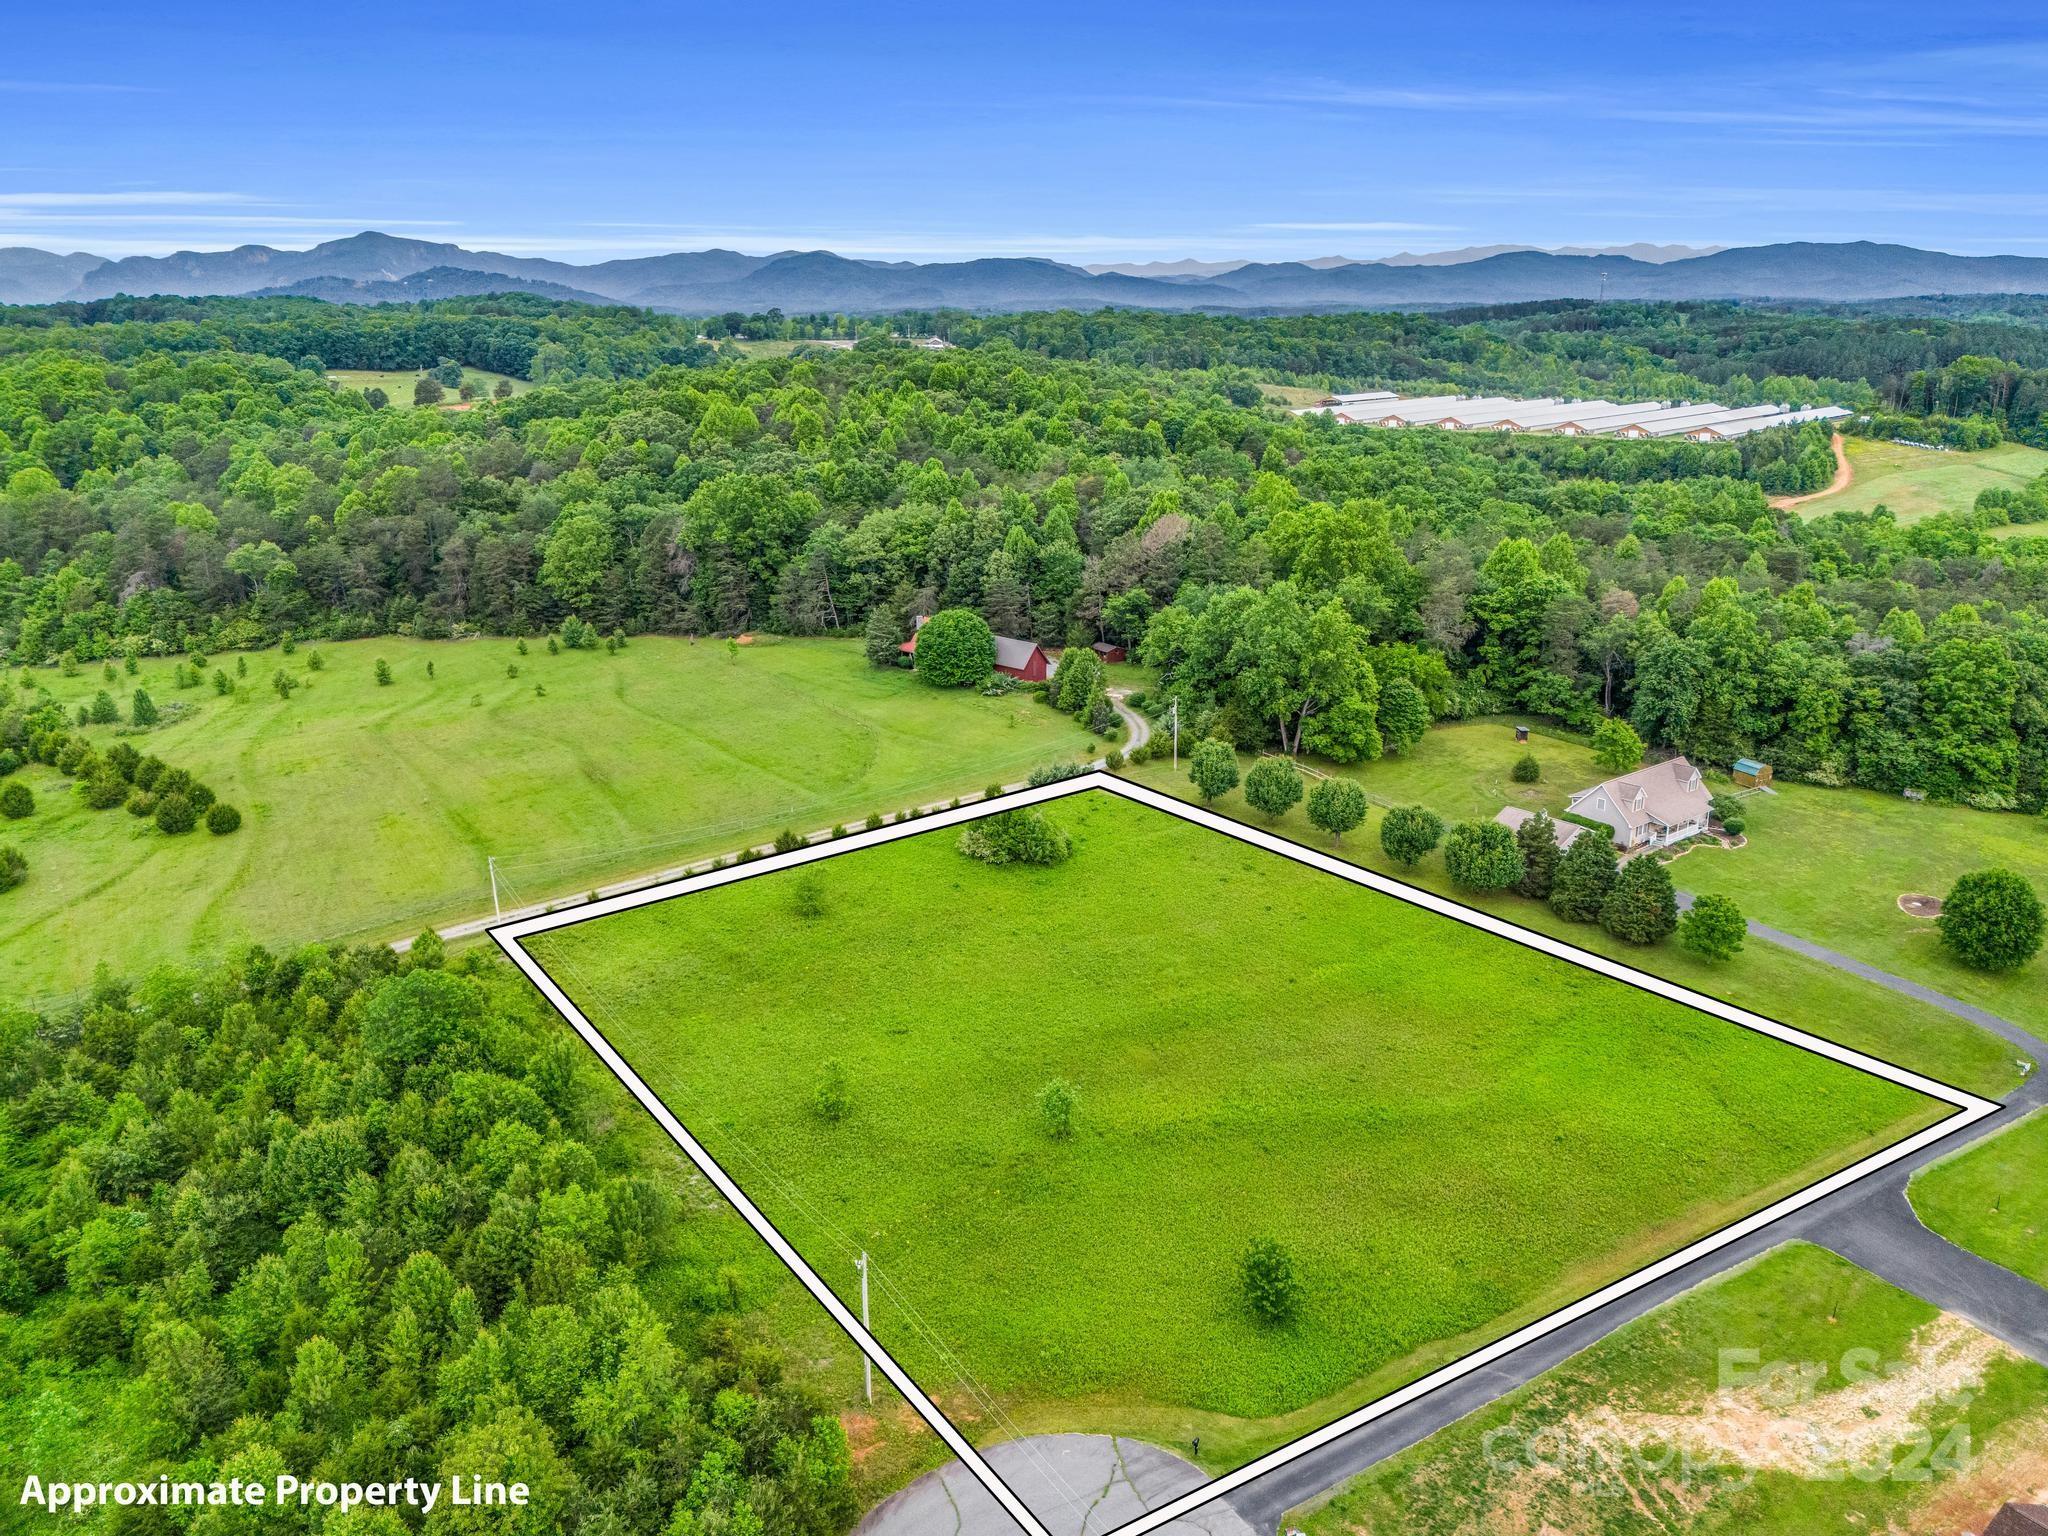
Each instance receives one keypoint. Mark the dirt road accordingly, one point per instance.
(1843, 475)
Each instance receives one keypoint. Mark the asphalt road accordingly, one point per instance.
(1077, 1485)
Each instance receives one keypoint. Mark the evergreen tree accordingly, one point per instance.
(1585, 876)
(1537, 840)
(1642, 908)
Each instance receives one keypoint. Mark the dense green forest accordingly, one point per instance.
(353, 1218)
(1281, 570)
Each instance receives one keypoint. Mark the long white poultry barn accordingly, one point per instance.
(1699, 421)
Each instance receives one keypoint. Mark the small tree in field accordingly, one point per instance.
(383, 671)
(142, 708)
(1482, 856)
(1643, 907)
(104, 710)
(1992, 920)
(1584, 877)
(1408, 832)
(1271, 1290)
(955, 649)
(222, 818)
(832, 1099)
(1616, 746)
(1526, 770)
(1212, 768)
(174, 814)
(1713, 929)
(17, 800)
(881, 637)
(13, 867)
(1272, 787)
(427, 391)
(1056, 1109)
(1336, 806)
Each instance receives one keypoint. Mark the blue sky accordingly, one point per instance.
(1088, 133)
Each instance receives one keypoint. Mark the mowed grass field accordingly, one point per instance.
(397, 383)
(1449, 1132)
(369, 811)
(1917, 482)
(1637, 1436)
(1825, 864)
(1992, 1198)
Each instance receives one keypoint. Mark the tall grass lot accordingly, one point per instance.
(369, 811)
(1449, 1132)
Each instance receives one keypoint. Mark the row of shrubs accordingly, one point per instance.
(1636, 901)
(146, 785)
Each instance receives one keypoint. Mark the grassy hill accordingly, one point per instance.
(397, 383)
(1917, 482)
(370, 810)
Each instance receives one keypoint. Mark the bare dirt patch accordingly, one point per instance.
(1774, 1427)
(1913, 904)
(2015, 1469)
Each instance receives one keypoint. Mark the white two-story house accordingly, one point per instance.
(1653, 807)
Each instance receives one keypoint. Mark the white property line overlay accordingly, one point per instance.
(1970, 1109)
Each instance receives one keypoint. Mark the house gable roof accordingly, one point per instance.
(1668, 793)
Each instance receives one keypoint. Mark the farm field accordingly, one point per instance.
(1255, 1050)
(398, 382)
(1917, 482)
(1992, 1198)
(1636, 1436)
(369, 811)
(1827, 865)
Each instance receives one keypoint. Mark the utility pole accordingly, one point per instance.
(496, 910)
(867, 1366)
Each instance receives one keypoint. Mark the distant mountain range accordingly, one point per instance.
(373, 268)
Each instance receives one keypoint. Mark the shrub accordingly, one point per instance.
(1713, 929)
(787, 841)
(992, 792)
(1642, 908)
(121, 759)
(1336, 806)
(875, 819)
(222, 818)
(807, 896)
(1272, 787)
(1991, 919)
(1584, 877)
(1053, 773)
(174, 814)
(16, 801)
(383, 670)
(832, 1099)
(1056, 1109)
(1212, 767)
(315, 662)
(1016, 837)
(104, 710)
(284, 683)
(1270, 1288)
(13, 867)
(142, 708)
(1482, 856)
(1408, 832)
(147, 771)
(1526, 770)
(10, 760)
(222, 683)
(104, 790)
(1537, 840)
(141, 803)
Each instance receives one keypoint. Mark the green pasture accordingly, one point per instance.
(397, 383)
(370, 811)
(1825, 864)
(1918, 482)
(1538, 1460)
(1992, 1198)
(1450, 1133)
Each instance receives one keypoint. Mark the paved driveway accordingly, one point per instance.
(1078, 1485)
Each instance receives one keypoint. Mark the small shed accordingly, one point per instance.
(1751, 774)
(1521, 733)
(1107, 651)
